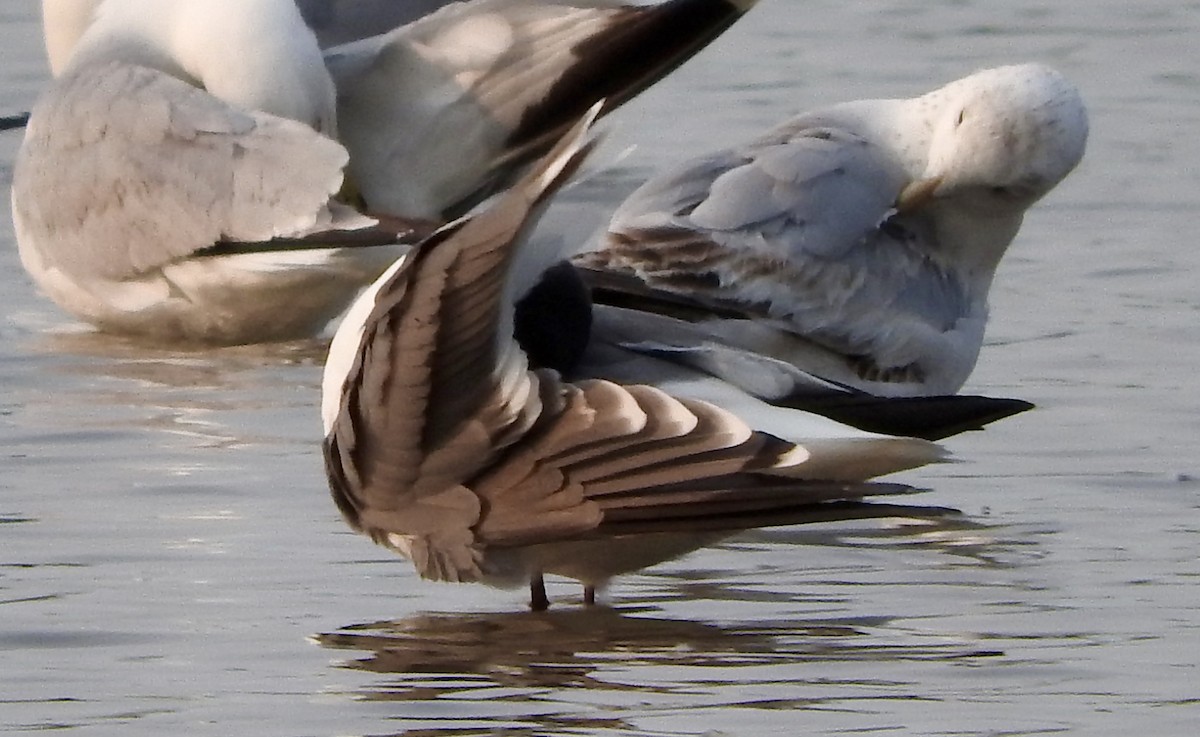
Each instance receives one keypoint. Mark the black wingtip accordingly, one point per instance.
(929, 418)
(11, 122)
(642, 45)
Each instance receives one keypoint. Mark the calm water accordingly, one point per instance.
(170, 562)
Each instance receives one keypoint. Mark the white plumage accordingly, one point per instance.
(161, 138)
(149, 149)
(862, 239)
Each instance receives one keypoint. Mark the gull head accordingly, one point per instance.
(1003, 137)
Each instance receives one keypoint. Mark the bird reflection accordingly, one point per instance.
(973, 541)
(439, 654)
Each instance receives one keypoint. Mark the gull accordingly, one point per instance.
(202, 171)
(857, 242)
(157, 183)
(463, 95)
(447, 442)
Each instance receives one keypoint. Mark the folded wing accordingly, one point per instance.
(125, 169)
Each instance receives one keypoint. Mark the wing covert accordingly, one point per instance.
(125, 169)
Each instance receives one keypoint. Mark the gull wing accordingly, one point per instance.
(441, 441)
(799, 228)
(124, 170)
(738, 350)
(809, 191)
(440, 113)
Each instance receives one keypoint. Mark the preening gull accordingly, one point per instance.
(177, 179)
(856, 242)
(446, 444)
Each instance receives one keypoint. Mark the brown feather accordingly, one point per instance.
(450, 449)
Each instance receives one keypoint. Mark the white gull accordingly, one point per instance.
(859, 241)
(177, 136)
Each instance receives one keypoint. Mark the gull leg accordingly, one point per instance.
(589, 595)
(538, 601)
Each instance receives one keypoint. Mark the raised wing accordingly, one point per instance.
(442, 442)
(440, 113)
(436, 387)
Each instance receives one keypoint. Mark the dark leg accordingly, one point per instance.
(589, 595)
(537, 594)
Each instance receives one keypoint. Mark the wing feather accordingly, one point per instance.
(481, 88)
(469, 449)
(434, 393)
(799, 227)
(125, 170)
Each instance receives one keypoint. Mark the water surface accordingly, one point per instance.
(170, 562)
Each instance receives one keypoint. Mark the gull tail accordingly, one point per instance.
(931, 418)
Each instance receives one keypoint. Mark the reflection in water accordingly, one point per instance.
(213, 397)
(971, 539)
(478, 661)
(701, 637)
(184, 367)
